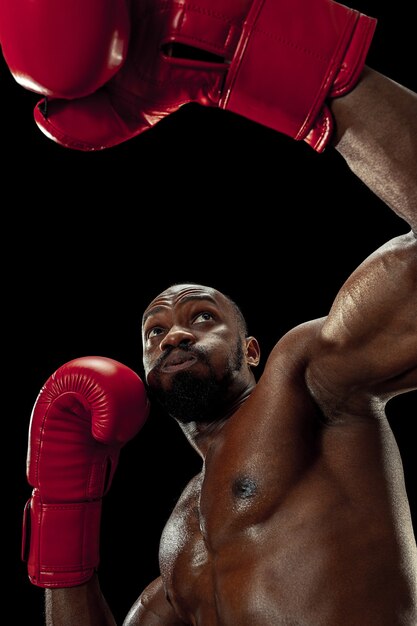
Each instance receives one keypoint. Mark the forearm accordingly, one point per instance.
(376, 133)
(84, 604)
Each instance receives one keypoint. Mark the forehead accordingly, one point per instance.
(180, 294)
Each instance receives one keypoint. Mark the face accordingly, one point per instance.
(194, 353)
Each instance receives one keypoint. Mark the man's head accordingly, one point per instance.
(196, 353)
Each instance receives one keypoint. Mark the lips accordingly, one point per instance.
(177, 362)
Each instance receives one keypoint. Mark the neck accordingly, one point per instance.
(202, 434)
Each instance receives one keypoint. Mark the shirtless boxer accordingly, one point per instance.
(299, 515)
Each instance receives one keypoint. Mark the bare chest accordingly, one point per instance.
(250, 555)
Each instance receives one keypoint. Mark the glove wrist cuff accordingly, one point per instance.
(284, 71)
(60, 541)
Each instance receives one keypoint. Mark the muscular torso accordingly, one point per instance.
(298, 518)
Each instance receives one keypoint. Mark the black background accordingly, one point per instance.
(206, 196)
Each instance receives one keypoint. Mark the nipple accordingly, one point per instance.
(244, 488)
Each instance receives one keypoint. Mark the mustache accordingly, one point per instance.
(199, 353)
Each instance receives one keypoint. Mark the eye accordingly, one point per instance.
(154, 332)
(205, 316)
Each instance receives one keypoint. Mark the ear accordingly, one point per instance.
(253, 352)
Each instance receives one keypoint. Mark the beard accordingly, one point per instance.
(196, 398)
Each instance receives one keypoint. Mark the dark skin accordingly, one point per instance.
(299, 516)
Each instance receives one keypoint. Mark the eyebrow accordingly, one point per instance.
(159, 308)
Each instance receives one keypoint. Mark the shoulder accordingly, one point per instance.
(152, 608)
(283, 382)
(293, 352)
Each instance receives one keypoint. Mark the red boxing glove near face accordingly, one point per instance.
(276, 62)
(86, 411)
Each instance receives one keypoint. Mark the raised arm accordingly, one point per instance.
(367, 346)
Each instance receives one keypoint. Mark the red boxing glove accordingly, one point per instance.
(64, 49)
(86, 411)
(276, 62)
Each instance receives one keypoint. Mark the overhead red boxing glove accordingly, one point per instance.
(276, 62)
(64, 49)
(86, 411)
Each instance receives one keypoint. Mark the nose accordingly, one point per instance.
(176, 338)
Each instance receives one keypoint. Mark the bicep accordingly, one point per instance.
(152, 608)
(369, 338)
